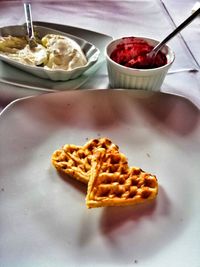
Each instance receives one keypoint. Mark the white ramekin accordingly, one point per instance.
(130, 78)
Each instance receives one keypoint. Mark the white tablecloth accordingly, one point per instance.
(150, 18)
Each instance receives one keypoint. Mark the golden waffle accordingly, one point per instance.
(118, 185)
(76, 160)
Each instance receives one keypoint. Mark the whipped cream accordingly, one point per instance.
(56, 52)
(63, 53)
(34, 57)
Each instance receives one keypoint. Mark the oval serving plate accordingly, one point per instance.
(91, 52)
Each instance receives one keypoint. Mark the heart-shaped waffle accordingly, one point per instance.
(76, 160)
(117, 184)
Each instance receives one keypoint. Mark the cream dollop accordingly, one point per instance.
(35, 56)
(63, 53)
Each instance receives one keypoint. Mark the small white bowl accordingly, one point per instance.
(132, 78)
(91, 52)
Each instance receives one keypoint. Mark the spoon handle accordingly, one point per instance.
(178, 29)
(28, 15)
(29, 25)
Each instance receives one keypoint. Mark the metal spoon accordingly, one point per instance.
(31, 38)
(158, 47)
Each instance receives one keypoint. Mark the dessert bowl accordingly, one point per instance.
(90, 51)
(121, 75)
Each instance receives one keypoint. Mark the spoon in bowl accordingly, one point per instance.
(31, 37)
(151, 55)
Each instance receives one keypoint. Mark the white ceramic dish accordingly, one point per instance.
(13, 76)
(133, 78)
(43, 217)
(91, 52)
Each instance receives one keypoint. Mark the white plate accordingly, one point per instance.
(14, 76)
(44, 220)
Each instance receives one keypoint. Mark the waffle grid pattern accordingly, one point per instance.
(118, 184)
(76, 160)
(110, 180)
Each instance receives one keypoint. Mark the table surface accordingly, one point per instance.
(35, 228)
(119, 18)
